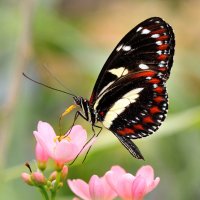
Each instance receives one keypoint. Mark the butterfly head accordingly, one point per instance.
(78, 100)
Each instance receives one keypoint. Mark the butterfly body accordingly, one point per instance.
(130, 97)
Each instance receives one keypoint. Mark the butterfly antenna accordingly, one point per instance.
(52, 88)
(56, 79)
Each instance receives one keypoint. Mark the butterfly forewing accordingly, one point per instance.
(150, 45)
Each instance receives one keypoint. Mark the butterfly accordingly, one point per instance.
(130, 97)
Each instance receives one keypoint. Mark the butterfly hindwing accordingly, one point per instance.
(135, 106)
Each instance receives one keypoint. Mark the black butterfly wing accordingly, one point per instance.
(130, 95)
(150, 45)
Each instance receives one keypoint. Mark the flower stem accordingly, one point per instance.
(44, 193)
(54, 190)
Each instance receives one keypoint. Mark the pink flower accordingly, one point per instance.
(61, 149)
(130, 187)
(97, 189)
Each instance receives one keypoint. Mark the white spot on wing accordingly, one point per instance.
(120, 105)
(155, 36)
(158, 42)
(119, 71)
(159, 52)
(119, 47)
(143, 66)
(132, 95)
(160, 65)
(126, 48)
(155, 85)
(139, 29)
(107, 86)
(145, 31)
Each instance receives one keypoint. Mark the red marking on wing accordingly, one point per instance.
(154, 80)
(163, 37)
(158, 99)
(126, 131)
(154, 110)
(148, 120)
(162, 69)
(162, 57)
(138, 126)
(159, 31)
(158, 89)
(91, 99)
(162, 47)
(143, 74)
(102, 113)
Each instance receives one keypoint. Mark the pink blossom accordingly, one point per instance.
(97, 189)
(130, 187)
(61, 149)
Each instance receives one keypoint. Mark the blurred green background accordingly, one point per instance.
(73, 40)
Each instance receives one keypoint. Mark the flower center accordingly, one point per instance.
(63, 137)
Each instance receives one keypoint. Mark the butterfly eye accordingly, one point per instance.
(77, 101)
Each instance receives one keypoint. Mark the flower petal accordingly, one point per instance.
(78, 135)
(80, 188)
(45, 136)
(46, 129)
(64, 152)
(113, 176)
(146, 172)
(40, 153)
(109, 193)
(124, 186)
(139, 188)
(95, 188)
(153, 185)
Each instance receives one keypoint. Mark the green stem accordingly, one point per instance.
(44, 193)
(54, 190)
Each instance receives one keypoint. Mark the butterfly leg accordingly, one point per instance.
(94, 134)
(78, 113)
(84, 147)
(130, 146)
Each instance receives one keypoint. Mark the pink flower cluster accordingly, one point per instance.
(63, 149)
(116, 182)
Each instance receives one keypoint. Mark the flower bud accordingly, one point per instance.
(60, 185)
(38, 178)
(27, 178)
(64, 172)
(41, 156)
(52, 176)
